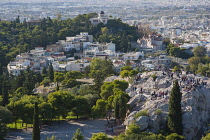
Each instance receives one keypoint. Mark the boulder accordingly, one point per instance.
(142, 121)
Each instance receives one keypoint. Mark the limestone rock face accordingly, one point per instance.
(195, 102)
(130, 118)
(143, 122)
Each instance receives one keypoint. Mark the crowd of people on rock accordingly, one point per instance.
(187, 83)
(137, 78)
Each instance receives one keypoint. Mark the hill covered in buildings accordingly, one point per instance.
(16, 37)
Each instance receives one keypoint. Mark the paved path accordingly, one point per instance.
(63, 131)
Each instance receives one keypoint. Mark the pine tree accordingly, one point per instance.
(36, 129)
(51, 72)
(78, 135)
(175, 112)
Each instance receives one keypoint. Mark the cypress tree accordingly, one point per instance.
(44, 71)
(51, 72)
(175, 111)
(36, 129)
(5, 93)
(5, 88)
(124, 42)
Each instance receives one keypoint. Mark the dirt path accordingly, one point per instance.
(64, 130)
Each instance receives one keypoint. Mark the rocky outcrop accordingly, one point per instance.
(143, 122)
(195, 102)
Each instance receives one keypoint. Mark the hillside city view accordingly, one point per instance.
(104, 70)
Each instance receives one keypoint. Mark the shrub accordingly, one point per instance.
(154, 76)
(158, 111)
(45, 82)
(142, 113)
(174, 136)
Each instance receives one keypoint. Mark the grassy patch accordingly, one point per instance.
(19, 125)
(158, 111)
(142, 113)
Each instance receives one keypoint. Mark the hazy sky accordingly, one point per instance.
(189, 2)
(26, 1)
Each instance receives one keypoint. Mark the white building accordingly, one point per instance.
(78, 65)
(102, 18)
(79, 42)
(189, 45)
(14, 68)
(133, 56)
(39, 51)
(99, 50)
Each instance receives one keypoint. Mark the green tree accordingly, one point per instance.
(124, 42)
(124, 73)
(5, 115)
(103, 65)
(52, 138)
(46, 111)
(99, 70)
(176, 69)
(58, 77)
(100, 136)
(120, 105)
(36, 129)
(133, 72)
(3, 131)
(193, 62)
(174, 136)
(45, 82)
(105, 35)
(120, 84)
(91, 99)
(133, 128)
(207, 137)
(44, 70)
(174, 51)
(81, 106)
(129, 68)
(73, 75)
(78, 135)
(51, 72)
(175, 111)
(128, 63)
(70, 83)
(107, 90)
(199, 51)
(5, 87)
(154, 77)
(5, 94)
(61, 102)
(5, 118)
(99, 110)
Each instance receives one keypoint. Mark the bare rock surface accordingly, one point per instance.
(153, 95)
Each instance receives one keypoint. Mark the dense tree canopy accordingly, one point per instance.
(199, 51)
(17, 92)
(175, 51)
